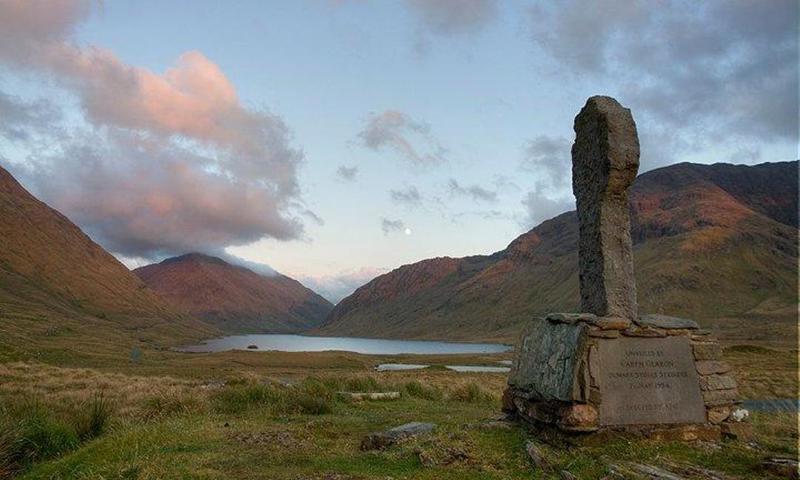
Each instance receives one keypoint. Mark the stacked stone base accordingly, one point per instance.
(556, 378)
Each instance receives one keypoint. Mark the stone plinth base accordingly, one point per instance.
(658, 376)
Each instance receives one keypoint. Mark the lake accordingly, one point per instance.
(399, 367)
(371, 346)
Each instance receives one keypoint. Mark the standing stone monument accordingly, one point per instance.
(607, 367)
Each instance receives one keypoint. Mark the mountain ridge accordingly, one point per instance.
(55, 278)
(233, 297)
(688, 221)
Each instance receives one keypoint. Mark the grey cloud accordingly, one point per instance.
(336, 287)
(347, 173)
(540, 207)
(21, 119)
(453, 17)
(719, 69)
(475, 192)
(409, 138)
(389, 226)
(551, 157)
(312, 216)
(409, 196)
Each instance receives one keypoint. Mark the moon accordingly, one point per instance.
(408, 231)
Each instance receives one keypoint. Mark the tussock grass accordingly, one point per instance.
(471, 393)
(416, 389)
(94, 417)
(311, 397)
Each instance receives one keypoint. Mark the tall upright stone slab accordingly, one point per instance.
(607, 367)
(605, 160)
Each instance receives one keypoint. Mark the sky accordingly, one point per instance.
(333, 141)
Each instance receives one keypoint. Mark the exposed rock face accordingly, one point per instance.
(233, 298)
(605, 160)
(548, 360)
(697, 230)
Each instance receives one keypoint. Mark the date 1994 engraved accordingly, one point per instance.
(649, 381)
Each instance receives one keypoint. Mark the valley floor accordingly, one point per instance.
(275, 415)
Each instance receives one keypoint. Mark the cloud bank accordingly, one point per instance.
(728, 69)
(174, 161)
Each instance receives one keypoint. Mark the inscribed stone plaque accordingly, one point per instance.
(649, 381)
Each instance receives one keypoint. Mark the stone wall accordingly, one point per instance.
(660, 375)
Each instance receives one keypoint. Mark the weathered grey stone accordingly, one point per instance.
(644, 332)
(571, 318)
(719, 397)
(717, 382)
(605, 160)
(612, 323)
(381, 440)
(360, 396)
(706, 351)
(665, 321)
(604, 333)
(535, 455)
(549, 360)
(718, 414)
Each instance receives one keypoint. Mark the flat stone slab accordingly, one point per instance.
(666, 322)
(382, 440)
(359, 396)
(648, 381)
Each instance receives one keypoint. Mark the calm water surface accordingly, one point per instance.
(301, 343)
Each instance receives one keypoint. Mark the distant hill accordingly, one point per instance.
(55, 281)
(233, 298)
(713, 242)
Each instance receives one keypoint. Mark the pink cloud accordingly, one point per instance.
(214, 173)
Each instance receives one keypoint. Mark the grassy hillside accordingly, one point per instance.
(59, 289)
(716, 243)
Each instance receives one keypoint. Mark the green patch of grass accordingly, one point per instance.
(30, 433)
